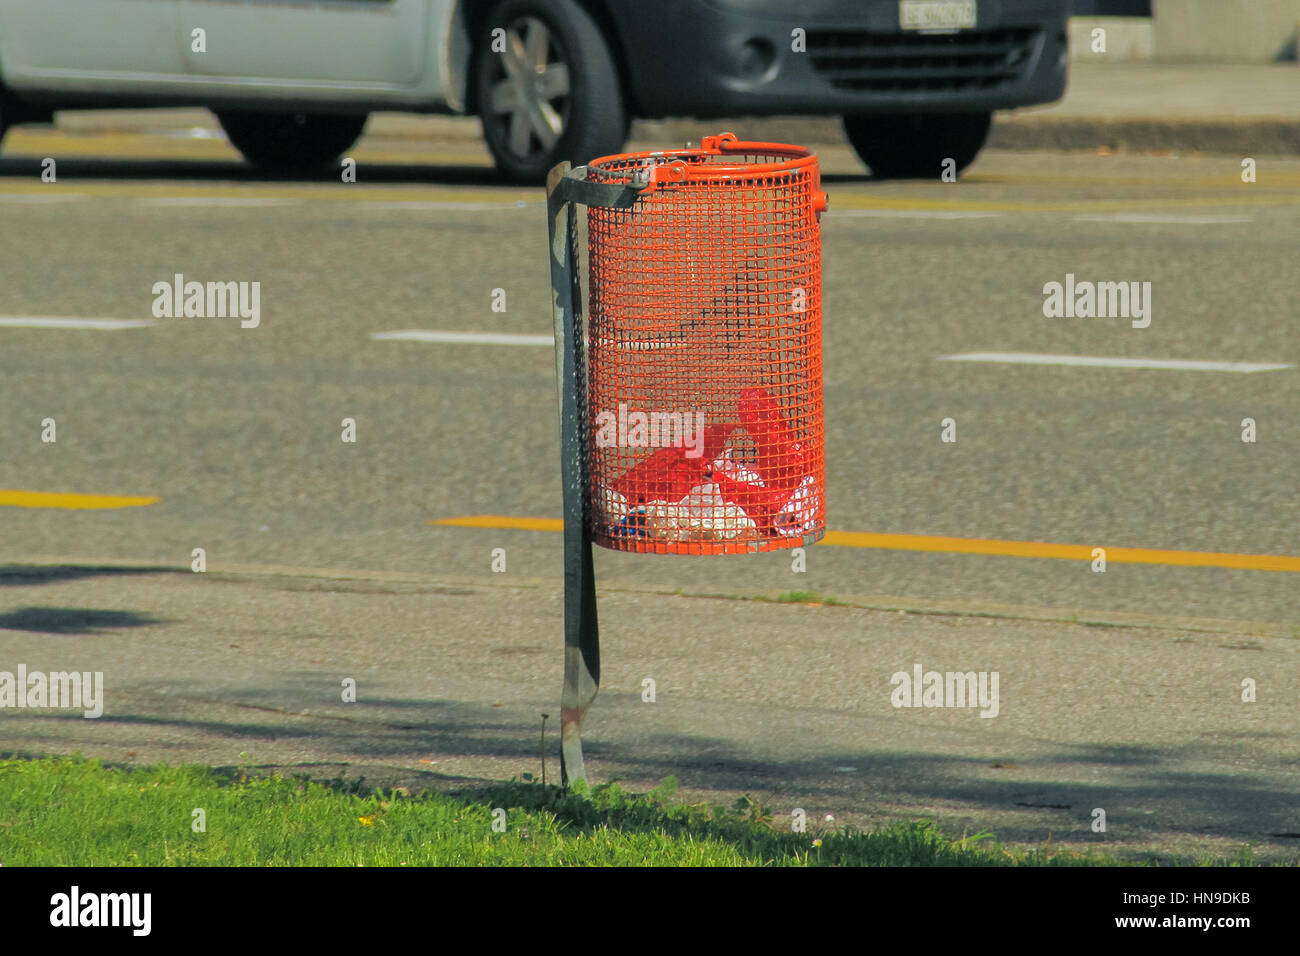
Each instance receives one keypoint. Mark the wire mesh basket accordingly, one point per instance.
(704, 392)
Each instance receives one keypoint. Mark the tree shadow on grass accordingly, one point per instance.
(749, 828)
(745, 828)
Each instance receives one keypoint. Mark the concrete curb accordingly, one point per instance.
(553, 588)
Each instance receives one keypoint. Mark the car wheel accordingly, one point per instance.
(287, 142)
(916, 147)
(549, 92)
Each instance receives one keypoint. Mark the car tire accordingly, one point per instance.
(553, 94)
(917, 146)
(291, 142)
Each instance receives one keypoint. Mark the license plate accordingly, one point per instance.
(936, 16)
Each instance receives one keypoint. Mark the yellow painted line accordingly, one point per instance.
(358, 193)
(16, 498)
(131, 146)
(1067, 552)
(504, 522)
(843, 200)
(1277, 191)
(989, 546)
(333, 192)
(1230, 179)
(116, 146)
(862, 201)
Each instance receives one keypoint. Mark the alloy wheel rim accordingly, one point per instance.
(530, 90)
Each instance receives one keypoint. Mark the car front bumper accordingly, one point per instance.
(708, 58)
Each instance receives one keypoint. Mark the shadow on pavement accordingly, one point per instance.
(1149, 800)
(220, 170)
(865, 177)
(236, 171)
(25, 575)
(72, 620)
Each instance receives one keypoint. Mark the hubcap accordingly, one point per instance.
(529, 98)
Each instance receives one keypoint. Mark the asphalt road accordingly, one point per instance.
(236, 432)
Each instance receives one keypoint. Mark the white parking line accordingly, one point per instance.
(70, 322)
(420, 205)
(1031, 358)
(464, 338)
(31, 199)
(194, 132)
(506, 338)
(1167, 219)
(915, 214)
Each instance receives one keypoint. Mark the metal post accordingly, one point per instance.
(564, 187)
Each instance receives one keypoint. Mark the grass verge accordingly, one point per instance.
(74, 812)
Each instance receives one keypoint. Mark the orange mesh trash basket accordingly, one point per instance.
(704, 392)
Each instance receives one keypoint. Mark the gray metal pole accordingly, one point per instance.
(564, 187)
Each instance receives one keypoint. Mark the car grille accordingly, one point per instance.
(907, 62)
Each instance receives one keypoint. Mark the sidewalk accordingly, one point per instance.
(1235, 109)
(788, 702)
(1241, 109)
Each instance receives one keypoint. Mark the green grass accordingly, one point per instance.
(73, 812)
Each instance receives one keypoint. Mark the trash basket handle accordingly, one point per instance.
(729, 143)
(724, 144)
